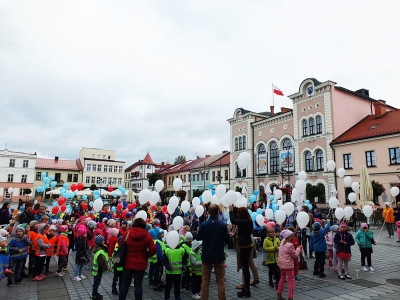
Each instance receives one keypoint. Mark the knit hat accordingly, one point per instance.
(343, 224)
(54, 221)
(148, 227)
(334, 228)
(111, 222)
(52, 227)
(114, 231)
(270, 224)
(286, 233)
(19, 227)
(316, 226)
(81, 232)
(129, 224)
(100, 225)
(387, 203)
(188, 237)
(156, 222)
(99, 239)
(33, 223)
(23, 225)
(62, 228)
(88, 220)
(91, 224)
(82, 218)
(364, 225)
(104, 219)
(124, 222)
(318, 220)
(59, 221)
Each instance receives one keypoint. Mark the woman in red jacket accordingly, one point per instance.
(139, 247)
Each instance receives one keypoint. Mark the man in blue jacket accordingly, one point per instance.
(214, 235)
(318, 245)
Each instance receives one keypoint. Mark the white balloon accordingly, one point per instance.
(279, 202)
(331, 165)
(300, 186)
(177, 222)
(98, 205)
(220, 190)
(302, 219)
(347, 180)
(206, 196)
(302, 175)
(260, 220)
(333, 202)
(185, 206)
(269, 214)
(280, 216)
(348, 211)
(295, 193)
(199, 210)
(288, 208)
(340, 172)
(238, 196)
(367, 210)
(159, 185)
(243, 160)
(144, 196)
(10, 190)
(196, 201)
(155, 196)
(224, 203)
(394, 191)
(277, 194)
(215, 200)
(355, 186)
(230, 197)
(173, 202)
(177, 184)
(241, 203)
(170, 209)
(172, 239)
(352, 197)
(142, 215)
(339, 213)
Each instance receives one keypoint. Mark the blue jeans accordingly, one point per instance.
(126, 282)
(17, 269)
(96, 282)
(78, 270)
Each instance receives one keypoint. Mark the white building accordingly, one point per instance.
(136, 175)
(17, 171)
(101, 168)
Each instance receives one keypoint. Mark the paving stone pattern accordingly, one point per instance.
(364, 285)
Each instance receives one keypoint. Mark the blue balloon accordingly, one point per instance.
(259, 211)
(115, 195)
(22, 208)
(254, 216)
(38, 189)
(274, 202)
(120, 187)
(211, 186)
(75, 193)
(55, 203)
(69, 206)
(105, 202)
(201, 198)
(255, 192)
(62, 190)
(96, 196)
(53, 184)
(66, 185)
(44, 174)
(35, 202)
(249, 211)
(252, 199)
(46, 186)
(275, 206)
(96, 192)
(310, 207)
(271, 197)
(46, 180)
(213, 192)
(51, 177)
(307, 202)
(91, 203)
(84, 197)
(113, 209)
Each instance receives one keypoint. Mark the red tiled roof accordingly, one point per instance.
(131, 167)
(192, 163)
(49, 163)
(372, 126)
(208, 161)
(147, 160)
(225, 160)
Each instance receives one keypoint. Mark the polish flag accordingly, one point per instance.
(277, 90)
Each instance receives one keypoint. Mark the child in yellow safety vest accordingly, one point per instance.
(156, 266)
(99, 265)
(187, 245)
(196, 268)
(51, 237)
(174, 260)
(118, 271)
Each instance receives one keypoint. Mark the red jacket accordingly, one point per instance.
(140, 246)
(111, 245)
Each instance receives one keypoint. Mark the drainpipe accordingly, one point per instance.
(252, 151)
(334, 159)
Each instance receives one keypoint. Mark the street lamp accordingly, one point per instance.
(219, 177)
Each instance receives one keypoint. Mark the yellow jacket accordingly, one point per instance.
(388, 215)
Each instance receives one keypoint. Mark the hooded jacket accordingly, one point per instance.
(139, 247)
(19, 243)
(318, 242)
(286, 255)
(364, 239)
(41, 242)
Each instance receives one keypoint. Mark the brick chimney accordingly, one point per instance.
(379, 108)
(208, 156)
(56, 158)
(271, 109)
(284, 109)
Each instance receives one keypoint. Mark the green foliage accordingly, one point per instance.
(181, 194)
(179, 159)
(153, 177)
(238, 189)
(312, 192)
(27, 191)
(93, 187)
(377, 188)
(197, 193)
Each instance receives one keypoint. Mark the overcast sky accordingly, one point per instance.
(164, 76)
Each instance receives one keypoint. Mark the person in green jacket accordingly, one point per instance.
(174, 260)
(196, 268)
(365, 240)
(100, 265)
(271, 248)
(187, 245)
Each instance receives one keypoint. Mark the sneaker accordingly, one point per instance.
(65, 269)
(58, 274)
(18, 281)
(364, 268)
(196, 296)
(348, 276)
(87, 268)
(10, 284)
(371, 269)
(37, 278)
(43, 276)
(244, 294)
(322, 275)
(297, 277)
(77, 279)
(341, 277)
(388, 236)
(132, 285)
(183, 290)
(82, 277)
(315, 273)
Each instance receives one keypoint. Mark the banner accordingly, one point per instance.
(287, 160)
(262, 165)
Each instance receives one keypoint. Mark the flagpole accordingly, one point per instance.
(273, 100)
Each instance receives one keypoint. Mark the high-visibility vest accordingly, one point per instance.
(175, 257)
(115, 251)
(197, 269)
(52, 242)
(188, 251)
(95, 268)
(45, 240)
(63, 237)
(154, 258)
(32, 237)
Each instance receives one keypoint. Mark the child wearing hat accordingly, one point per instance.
(51, 237)
(286, 255)
(365, 240)
(100, 265)
(271, 247)
(318, 245)
(32, 236)
(187, 245)
(18, 250)
(343, 240)
(62, 249)
(81, 247)
(196, 268)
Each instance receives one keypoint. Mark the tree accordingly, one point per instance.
(312, 192)
(179, 159)
(93, 187)
(153, 177)
(238, 189)
(27, 191)
(377, 189)
(197, 193)
(181, 194)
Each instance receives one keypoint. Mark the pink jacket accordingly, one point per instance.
(286, 255)
(329, 240)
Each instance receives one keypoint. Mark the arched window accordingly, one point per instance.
(305, 127)
(320, 160)
(274, 158)
(262, 160)
(238, 172)
(321, 198)
(240, 143)
(244, 142)
(312, 126)
(236, 144)
(309, 161)
(319, 124)
(287, 144)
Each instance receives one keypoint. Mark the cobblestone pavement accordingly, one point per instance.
(364, 285)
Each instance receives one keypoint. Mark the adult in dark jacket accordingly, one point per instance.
(27, 216)
(5, 214)
(214, 235)
(105, 213)
(161, 216)
(397, 212)
(343, 240)
(139, 247)
(244, 225)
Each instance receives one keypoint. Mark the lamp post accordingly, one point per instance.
(219, 176)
